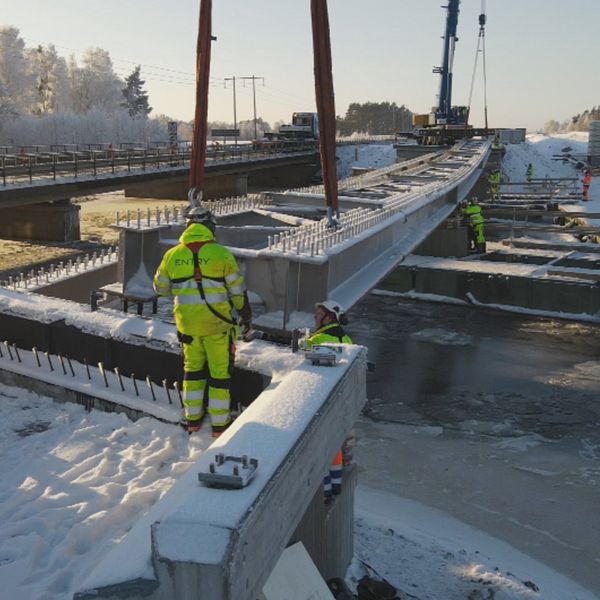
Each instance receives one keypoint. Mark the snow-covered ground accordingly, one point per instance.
(539, 150)
(72, 484)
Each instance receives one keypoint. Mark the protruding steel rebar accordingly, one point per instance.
(149, 382)
(49, 361)
(134, 382)
(166, 386)
(71, 366)
(62, 363)
(118, 374)
(178, 390)
(103, 372)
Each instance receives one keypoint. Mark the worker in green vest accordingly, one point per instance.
(494, 180)
(476, 225)
(210, 296)
(329, 318)
(529, 173)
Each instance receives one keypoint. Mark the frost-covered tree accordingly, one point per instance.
(135, 97)
(582, 121)
(247, 128)
(8, 109)
(51, 80)
(94, 84)
(15, 77)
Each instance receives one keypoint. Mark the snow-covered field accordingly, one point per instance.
(539, 150)
(71, 485)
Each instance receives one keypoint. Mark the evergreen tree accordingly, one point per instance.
(375, 118)
(136, 99)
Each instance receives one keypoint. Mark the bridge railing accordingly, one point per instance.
(66, 161)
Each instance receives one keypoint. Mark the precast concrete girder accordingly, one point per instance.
(291, 263)
(311, 262)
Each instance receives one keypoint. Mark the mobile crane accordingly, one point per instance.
(446, 123)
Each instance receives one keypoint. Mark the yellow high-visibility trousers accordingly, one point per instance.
(208, 361)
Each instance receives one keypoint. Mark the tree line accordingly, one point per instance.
(47, 99)
(579, 122)
(375, 118)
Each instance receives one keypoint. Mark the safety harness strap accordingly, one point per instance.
(195, 248)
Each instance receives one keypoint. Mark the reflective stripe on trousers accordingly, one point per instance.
(208, 359)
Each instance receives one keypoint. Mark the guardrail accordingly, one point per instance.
(27, 167)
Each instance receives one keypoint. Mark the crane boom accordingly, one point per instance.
(444, 113)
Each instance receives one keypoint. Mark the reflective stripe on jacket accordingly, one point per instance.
(329, 334)
(222, 282)
(473, 211)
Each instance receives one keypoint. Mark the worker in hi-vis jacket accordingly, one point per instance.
(208, 290)
(329, 318)
(476, 226)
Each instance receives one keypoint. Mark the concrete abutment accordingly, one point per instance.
(46, 222)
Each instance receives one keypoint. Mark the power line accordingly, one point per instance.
(254, 78)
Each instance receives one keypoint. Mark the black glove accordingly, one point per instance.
(245, 312)
(246, 330)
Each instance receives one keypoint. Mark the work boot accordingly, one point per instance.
(218, 430)
(192, 425)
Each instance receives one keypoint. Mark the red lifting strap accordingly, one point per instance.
(195, 248)
(202, 79)
(325, 98)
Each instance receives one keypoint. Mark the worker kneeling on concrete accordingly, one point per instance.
(329, 318)
(207, 286)
(476, 228)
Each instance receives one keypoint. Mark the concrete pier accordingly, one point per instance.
(48, 222)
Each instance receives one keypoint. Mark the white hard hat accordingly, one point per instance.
(197, 214)
(333, 307)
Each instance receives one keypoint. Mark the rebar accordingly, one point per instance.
(149, 382)
(134, 382)
(166, 386)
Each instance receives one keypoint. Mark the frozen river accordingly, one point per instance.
(490, 417)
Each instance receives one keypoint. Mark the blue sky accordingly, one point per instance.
(541, 54)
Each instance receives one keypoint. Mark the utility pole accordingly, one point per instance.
(234, 105)
(254, 78)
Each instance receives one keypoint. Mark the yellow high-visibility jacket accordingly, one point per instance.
(329, 334)
(473, 211)
(222, 282)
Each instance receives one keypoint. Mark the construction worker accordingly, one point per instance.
(529, 173)
(476, 228)
(208, 289)
(494, 180)
(587, 181)
(329, 318)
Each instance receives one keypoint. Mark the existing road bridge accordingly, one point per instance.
(46, 181)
